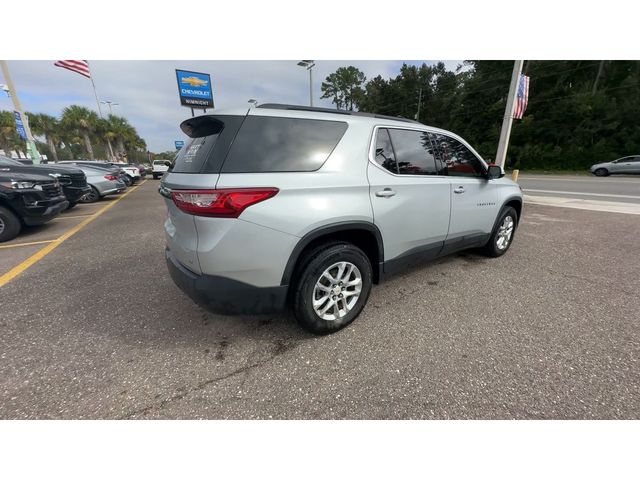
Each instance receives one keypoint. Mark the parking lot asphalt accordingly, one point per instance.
(97, 329)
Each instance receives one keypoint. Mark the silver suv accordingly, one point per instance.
(308, 207)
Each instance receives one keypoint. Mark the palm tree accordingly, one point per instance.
(105, 133)
(82, 122)
(123, 133)
(43, 124)
(9, 138)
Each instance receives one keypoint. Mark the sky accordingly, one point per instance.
(147, 92)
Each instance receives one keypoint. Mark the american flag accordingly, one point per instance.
(522, 97)
(78, 66)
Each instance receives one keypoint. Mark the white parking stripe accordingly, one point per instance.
(581, 193)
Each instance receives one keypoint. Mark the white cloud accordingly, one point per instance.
(147, 93)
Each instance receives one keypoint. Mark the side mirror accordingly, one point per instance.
(167, 163)
(494, 171)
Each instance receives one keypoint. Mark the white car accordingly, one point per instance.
(132, 171)
(159, 168)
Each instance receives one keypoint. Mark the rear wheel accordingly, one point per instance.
(9, 225)
(601, 172)
(332, 288)
(92, 196)
(155, 176)
(503, 233)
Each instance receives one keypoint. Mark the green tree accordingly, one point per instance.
(344, 87)
(9, 138)
(80, 122)
(49, 127)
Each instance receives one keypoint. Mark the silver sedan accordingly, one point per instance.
(630, 164)
(102, 183)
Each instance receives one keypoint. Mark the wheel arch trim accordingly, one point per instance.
(328, 230)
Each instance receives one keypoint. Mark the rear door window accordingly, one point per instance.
(276, 144)
(414, 152)
(384, 151)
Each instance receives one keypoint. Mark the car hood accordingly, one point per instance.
(23, 177)
(41, 169)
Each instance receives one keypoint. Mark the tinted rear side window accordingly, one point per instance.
(414, 152)
(384, 151)
(205, 153)
(274, 144)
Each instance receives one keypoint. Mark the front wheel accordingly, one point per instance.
(601, 172)
(503, 232)
(332, 288)
(9, 225)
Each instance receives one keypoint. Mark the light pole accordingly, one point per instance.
(110, 103)
(309, 64)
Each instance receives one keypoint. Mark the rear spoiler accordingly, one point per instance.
(202, 126)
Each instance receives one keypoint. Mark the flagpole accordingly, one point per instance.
(507, 121)
(95, 92)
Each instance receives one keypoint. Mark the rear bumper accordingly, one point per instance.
(224, 295)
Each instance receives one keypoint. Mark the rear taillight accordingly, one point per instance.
(111, 177)
(229, 203)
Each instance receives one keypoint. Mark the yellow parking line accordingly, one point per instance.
(40, 254)
(27, 243)
(74, 216)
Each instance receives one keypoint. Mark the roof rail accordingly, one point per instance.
(282, 106)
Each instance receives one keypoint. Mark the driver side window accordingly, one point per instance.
(457, 160)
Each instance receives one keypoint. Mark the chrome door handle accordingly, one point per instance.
(386, 193)
(460, 189)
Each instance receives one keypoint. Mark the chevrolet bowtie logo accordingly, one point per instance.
(194, 81)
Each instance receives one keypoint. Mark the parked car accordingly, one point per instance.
(310, 207)
(109, 167)
(630, 164)
(73, 180)
(160, 167)
(132, 171)
(101, 183)
(28, 199)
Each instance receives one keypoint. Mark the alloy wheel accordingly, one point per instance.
(505, 232)
(337, 291)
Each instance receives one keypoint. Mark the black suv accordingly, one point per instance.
(73, 180)
(28, 199)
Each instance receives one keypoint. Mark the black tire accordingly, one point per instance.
(491, 249)
(155, 177)
(132, 180)
(601, 172)
(10, 225)
(127, 180)
(71, 205)
(92, 196)
(312, 266)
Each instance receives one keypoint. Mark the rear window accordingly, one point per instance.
(206, 152)
(275, 144)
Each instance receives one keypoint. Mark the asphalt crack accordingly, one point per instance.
(281, 346)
